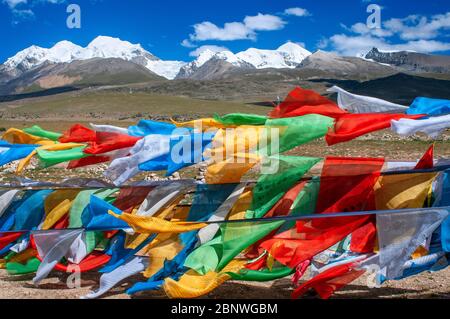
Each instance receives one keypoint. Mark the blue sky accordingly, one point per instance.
(177, 30)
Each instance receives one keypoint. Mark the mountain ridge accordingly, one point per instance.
(121, 62)
(411, 61)
(101, 47)
(90, 72)
(288, 55)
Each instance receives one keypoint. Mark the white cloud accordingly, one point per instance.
(231, 31)
(187, 44)
(418, 33)
(353, 45)
(416, 27)
(413, 27)
(264, 22)
(427, 46)
(361, 28)
(245, 30)
(203, 48)
(298, 12)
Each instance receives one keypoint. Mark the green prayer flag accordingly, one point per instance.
(233, 238)
(79, 204)
(241, 119)
(272, 185)
(261, 275)
(38, 131)
(305, 203)
(295, 131)
(50, 158)
(15, 268)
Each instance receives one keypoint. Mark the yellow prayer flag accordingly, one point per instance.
(192, 284)
(56, 214)
(150, 225)
(203, 124)
(243, 140)
(16, 136)
(52, 147)
(56, 197)
(402, 191)
(231, 170)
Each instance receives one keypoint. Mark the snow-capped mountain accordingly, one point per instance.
(107, 47)
(167, 69)
(410, 60)
(289, 55)
(100, 47)
(209, 56)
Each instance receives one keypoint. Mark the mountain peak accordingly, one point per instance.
(204, 57)
(65, 43)
(26, 58)
(375, 51)
(227, 56)
(288, 55)
(410, 60)
(107, 41)
(291, 46)
(105, 46)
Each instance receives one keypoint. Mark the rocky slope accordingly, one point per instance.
(80, 73)
(411, 61)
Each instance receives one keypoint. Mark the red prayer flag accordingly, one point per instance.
(92, 261)
(327, 282)
(301, 102)
(364, 238)
(311, 237)
(62, 223)
(257, 264)
(8, 238)
(300, 271)
(427, 159)
(130, 197)
(77, 134)
(350, 126)
(346, 185)
(98, 142)
(86, 161)
(281, 208)
(108, 141)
